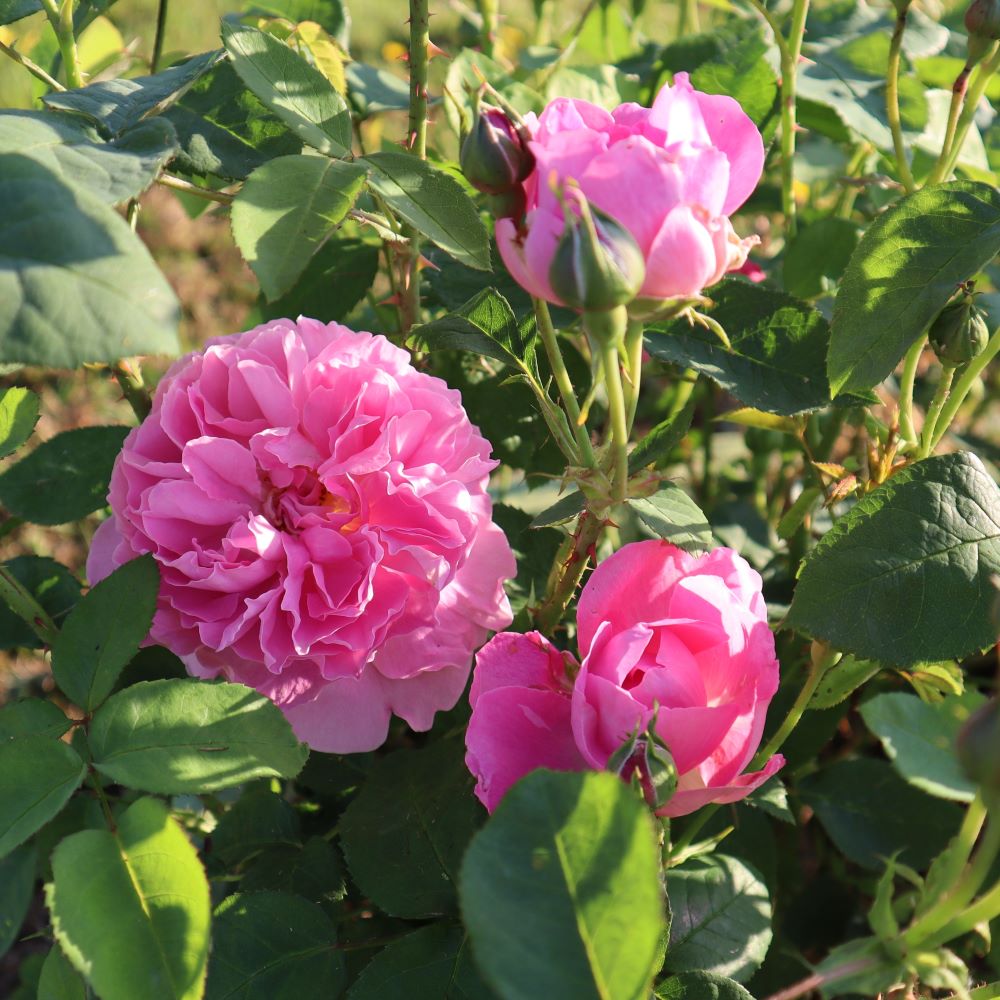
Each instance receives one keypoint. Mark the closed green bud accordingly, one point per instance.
(959, 333)
(982, 19)
(597, 265)
(495, 157)
(979, 746)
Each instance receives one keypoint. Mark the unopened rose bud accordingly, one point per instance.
(495, 157)
(959, 333)
(982, 19)
(979, 746)
(597, 265)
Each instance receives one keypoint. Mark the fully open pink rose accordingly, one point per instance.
(319, 513)
(660, 632)
(672, 174)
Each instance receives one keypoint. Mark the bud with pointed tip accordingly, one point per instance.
(495, 157)
(959, 333)
(597, 265)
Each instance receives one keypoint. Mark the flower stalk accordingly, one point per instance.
(892, 97)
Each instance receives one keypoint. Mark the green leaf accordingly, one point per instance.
(131, 909)
(294, 90)
(286, 209)
(103, 632)
(817, 257)
(17, 882)
(919, 739)
(260, 818)
(772, 798)
(563, 510)
(433, 203)
(434, 961)
(313, 871)
(700, 986)
(177, 736)
(902, 273)
(372, 90)
(721, 918)
(662, 439)
(331, 15)
(51, 584)
(31, 717)
(405, 833)
(778, 351)
(870, 813)
(484, 325)
(672, 515)
(904, 577)
(65, 478)
(842, 680)
(76, 284)
(561, 892)
(274, 945)
(224, 130)
(59, 980)
(18, 416)
(38, 774)
(119, 104)
(333, 283)
(72, 150)
(14, 10)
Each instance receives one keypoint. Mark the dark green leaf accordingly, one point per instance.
(120, 104)
(18, 416)
(286, 209)
(51, 584)
(433, 203)
(817, 257)
(313, 871)
(259, 818)
(17, 880)
(333, 283)
(919, 739)
(904, 577)
(870, 813)
(672, 515)
(294, 90)
(563, 510)
(103, 632)
(772, 798)
(560, 891)
(484, 325)
(662, 439)
(59, 980)
(14, 10)
(779, 345)
(137, 924)
(721, 918)
(274, 945)
(700, 986)
(432, 962)
(31, 717)
(76, 284)
(65, 478)
(405, 833)
(224, 130)
(73, 151)
(904, 270)
(38, 774)
(178, 736)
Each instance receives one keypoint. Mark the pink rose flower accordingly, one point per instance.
(671, 174)
(319, 513)
(661, 632)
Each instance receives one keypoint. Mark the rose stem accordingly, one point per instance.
(892, 97)
(61, 19)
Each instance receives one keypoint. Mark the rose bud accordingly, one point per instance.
(982, 19)
(979, 746)
(597, 264)
(495, 157)
(959, 333)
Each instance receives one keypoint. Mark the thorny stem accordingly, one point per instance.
(934, 411)
(179, 184)
(892, 99)
(773, 24)
(22, 602)
(546, 331)
(789, 69)
(565, 577)
(33, 68)
(161, 30)
(961, 388)
(906, 383)
(61, 19)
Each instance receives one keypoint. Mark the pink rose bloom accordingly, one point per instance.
(319, 513)
(660, 632)
(671, 174)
